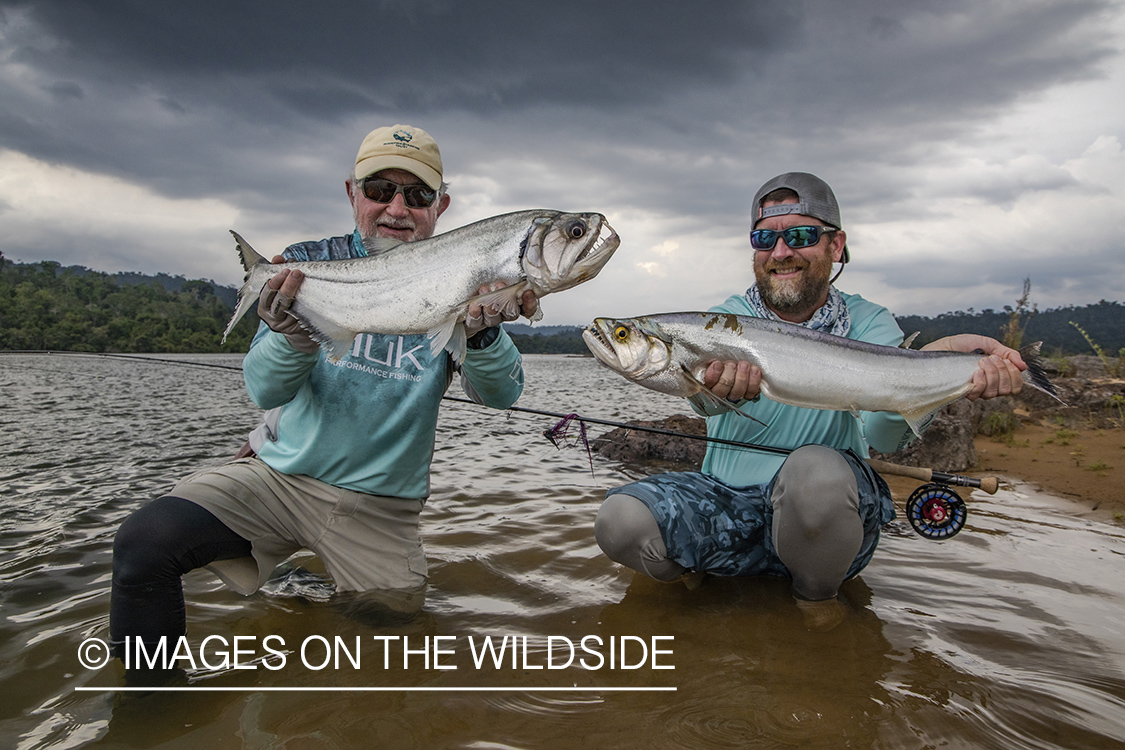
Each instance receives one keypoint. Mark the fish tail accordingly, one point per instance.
(248, 293)
(1035, 376)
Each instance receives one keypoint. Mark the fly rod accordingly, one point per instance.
(988, 484)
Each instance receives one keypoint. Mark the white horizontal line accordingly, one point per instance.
(314, 689)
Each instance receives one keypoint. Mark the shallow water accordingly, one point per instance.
(1007, 636)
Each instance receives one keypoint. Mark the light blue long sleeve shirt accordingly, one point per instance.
(793, 426)
(367, 422)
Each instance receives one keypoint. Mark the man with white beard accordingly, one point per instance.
(342, 464)
(814, 516)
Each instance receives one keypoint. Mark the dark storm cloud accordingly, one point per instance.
(668, 109)
(516, 51)
(765, 83)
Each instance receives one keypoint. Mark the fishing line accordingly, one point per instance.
(560, 429)
(111, 355)
(519, 409)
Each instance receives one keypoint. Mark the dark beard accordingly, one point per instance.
(801, 297)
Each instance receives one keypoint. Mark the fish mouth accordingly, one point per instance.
(605, 243)
(598, 345)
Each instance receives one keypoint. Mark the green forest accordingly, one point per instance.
(44, 306)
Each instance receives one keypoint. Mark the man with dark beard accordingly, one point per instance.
(814, 516)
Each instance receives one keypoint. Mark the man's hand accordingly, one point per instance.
(733, 381)
(274, 302)
(999, 371)
(479, 317)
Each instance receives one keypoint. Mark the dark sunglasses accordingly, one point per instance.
(416, 195)
(795, 237)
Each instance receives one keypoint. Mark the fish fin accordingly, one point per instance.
(379, 245)
(506, 299)
(449, 335)
(906, 342)
(1035, 375)
(715, 401)
(334, 339)
(247, 293)
(920, 419)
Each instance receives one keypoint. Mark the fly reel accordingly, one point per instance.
(936, 512)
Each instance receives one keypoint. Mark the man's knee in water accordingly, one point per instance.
(817, 529)
(141, 547)
(167, 538)
(814, 487)
(628, 534)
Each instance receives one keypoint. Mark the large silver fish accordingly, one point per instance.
(427, 286)
(801, 367)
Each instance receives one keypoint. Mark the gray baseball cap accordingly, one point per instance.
(814, 198)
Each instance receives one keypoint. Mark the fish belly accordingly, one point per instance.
(819, 375)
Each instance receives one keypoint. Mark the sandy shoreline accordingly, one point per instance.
(1084, 466)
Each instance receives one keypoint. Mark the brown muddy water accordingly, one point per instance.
(1007, 636)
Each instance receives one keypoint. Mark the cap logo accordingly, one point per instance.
(402, 139)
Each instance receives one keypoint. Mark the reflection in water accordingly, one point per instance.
(1006, 636)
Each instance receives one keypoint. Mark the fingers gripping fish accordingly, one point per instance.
(428, 285)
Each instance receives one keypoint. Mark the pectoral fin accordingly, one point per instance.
(449, 335)
(507, 300)
(920, 419)
(715, 401)
(334, 339)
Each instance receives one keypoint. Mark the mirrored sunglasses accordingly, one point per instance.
(795, 237)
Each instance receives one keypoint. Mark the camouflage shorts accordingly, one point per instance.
(708, 525)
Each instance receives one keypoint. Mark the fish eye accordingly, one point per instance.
(576, 230)
(621, 333)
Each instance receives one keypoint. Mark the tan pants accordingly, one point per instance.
(367, 542)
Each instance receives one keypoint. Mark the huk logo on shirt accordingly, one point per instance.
(394, 355)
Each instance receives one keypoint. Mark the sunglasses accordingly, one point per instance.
(416, 195)
(795, 237)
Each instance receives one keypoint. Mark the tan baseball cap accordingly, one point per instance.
(400, 147)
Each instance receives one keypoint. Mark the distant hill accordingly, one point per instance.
(228, 294)
(1103, 322)
(523, 329)
(48, 306)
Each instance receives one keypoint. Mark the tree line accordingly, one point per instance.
(46, 306)
(1058, 329)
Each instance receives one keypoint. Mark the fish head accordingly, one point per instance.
(563, 250)
(634, 347)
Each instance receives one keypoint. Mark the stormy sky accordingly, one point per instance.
(971, 145)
